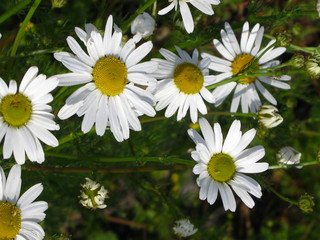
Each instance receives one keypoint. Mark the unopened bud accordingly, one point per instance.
(298, 60)
(313, 66)
(284, 39)
(268, 116)
(306, 203)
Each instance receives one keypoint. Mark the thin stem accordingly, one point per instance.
(124, 159)
(14, 10)
(295, 47)
(233, 114)
(310, 133)
(107, 170)
(282, 197)
(254, 74)
(23, 27)
(281, 166)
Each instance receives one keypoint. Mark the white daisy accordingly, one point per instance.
(20, 216)
(25, 116)
(238, 58)
(289, 156)
(110, 73)
(143, 24)
(93, 195)
(183, 84)
(222, 164)
(184, 228)
(203, 5)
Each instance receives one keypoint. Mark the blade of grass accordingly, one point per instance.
(14, 10)
(23, 27)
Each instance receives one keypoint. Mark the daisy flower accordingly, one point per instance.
(183, 84)
(110, 73)
(20, 216)
(221, 165)
(289, 156)
(93, 195)
(25, 116)
(237, 58)
(203, 5)
(184, 228)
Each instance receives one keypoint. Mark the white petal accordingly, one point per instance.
(186, 16)
(227, 197)
(138, 54)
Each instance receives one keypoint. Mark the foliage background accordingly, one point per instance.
(148, 192)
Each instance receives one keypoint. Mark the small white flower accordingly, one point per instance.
(143, 24)
(220, 165)
(25, 116)
(239, 57)
(203, 5)
(20, 216)
(182, 85)
(184, 228)
(288, 156)
(93, 195)
(111, 75)
(268, 116)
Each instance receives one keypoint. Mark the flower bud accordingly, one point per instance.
(298, 60)
(268, 116)
(313, 66)
(284, 39)
(289, 156)
(143, 25)
(58, 3)
(93, 195)
(306, 203)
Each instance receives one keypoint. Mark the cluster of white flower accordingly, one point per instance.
(117, 88)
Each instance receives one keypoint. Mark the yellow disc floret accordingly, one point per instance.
(110, 75)
(188, 78)
(221, 167)
(16, 109)
(241, 63)
(10, 221)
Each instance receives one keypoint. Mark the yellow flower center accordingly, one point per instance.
(10, 221)
(188, 78)
(16, 109)
(221, 167)
(110, 75)
(241, 63)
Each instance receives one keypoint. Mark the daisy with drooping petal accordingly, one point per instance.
(289, 156)
(203, 5)
(20, 216)
(222, 164)
(238, 58)
(111, 73)
(183, 84)
(25, 116)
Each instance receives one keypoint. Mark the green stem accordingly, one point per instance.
(254, 74)
(14, 10)
(106, 170)
(296, 47)
(281, 166)
(310, 133)
(124, 159)
(23, 27)
(140, 10)
(282, 197)
(233, 114)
